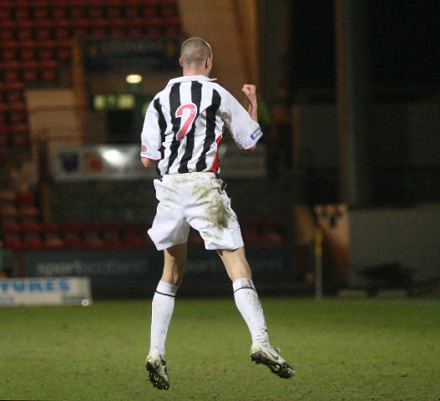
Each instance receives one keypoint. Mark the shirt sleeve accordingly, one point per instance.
(150, 136)
(245, 131)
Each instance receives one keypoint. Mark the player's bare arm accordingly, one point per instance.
(148, 162)
(250, 93)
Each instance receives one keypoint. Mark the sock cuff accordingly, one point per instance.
(165, 288)
(243, 283)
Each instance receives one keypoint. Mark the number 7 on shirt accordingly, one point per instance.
(188, 113)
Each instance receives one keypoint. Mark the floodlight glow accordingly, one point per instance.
(114, 157)
(133, 79)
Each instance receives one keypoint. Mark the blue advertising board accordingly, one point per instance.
(143, 268)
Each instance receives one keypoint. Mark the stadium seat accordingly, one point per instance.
(4, 136)
(8, 51)
(11, 226)
(99, 27)
(9, 215)
(63, 50)
(7, 30)
(134, 235)
(6, 12)
(41, 11)
(111, 235)
(43, 30)
(12, 242)
(117, 27)
(10, 71)
(58, 12)
(26, 198)
(30, 71)
(25, 32)
(114, 11)
(32, 236)
(21, 14)
(27, 51)
(48, 71)
(95, 12)
(46, 50)
(92, 236)
(62, 29)
(52, 236)
(76, 11)
(250, 232)
(20, 137)
(72, 235)
(28, 214)
(3, 112)
(8, 197)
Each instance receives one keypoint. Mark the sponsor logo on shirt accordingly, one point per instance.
(256, 134)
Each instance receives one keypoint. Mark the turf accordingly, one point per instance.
(350, 350)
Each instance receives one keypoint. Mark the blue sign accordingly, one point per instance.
(143, 268)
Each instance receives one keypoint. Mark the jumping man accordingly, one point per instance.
(181, 135)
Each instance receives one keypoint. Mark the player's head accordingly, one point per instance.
(196, 55)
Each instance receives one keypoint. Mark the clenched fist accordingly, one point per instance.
(250, 92)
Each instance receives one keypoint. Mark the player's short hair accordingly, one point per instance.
(195, 51)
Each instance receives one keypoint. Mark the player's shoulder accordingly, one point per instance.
(215, 85)
(225, 95)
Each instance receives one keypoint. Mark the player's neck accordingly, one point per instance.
(192, 72)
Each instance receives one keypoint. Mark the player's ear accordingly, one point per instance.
(180, 62)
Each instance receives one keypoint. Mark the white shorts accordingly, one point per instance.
(197, 200)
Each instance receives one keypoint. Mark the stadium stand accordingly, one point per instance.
(36, 38)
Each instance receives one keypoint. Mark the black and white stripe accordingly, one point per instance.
(184, 125)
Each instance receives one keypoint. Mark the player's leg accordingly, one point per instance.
(163, 299)
(249, 305)
(245, 294)
(162, 311)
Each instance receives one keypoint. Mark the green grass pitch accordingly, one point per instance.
(351, 350)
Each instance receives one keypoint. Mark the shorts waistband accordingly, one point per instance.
(188, 176)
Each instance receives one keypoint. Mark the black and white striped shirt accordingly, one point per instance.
(184, 124)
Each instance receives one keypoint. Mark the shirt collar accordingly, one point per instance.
(190, 78)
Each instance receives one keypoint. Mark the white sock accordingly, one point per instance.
(248, 303)
(161, 312)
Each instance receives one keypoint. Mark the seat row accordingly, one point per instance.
(25, 10)
(36, 236)
(29, 71)
(65, 29)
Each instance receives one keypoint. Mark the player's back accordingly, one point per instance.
(191, 115)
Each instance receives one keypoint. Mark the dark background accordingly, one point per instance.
(404, 45)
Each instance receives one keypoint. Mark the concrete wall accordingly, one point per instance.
(408, 237)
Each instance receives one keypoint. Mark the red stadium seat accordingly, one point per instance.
(52, 236)
(72, 234)
(32, 236)
(112, 235)
(92, 236)
(48, 71)
(6, 12)
(46, 50)
(20, 136)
